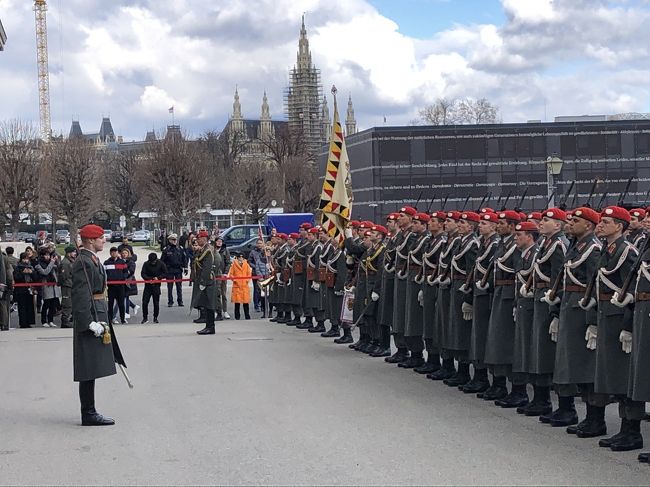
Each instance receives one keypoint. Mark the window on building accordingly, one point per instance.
(642, 143)
(613, 142)
(508, 147)
(448, 149)
(523, 147)
(539, 147)
(471, 149)
(568, 146)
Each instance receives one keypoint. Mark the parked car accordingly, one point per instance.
(240, 234)
(116, 236)
(141, 236)
(30, 238)
(243, 248)
(62, 236)
(107, 234)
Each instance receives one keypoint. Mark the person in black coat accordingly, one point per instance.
(116, 270)
(175, 258)
(24, 272)
(152, 270)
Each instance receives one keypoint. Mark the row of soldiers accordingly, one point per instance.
(556, 300)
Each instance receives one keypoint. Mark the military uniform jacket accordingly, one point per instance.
(327, 249)
(65, 273)
(203, 265)
(548, 266)
(312, 296)
(637, 238)
(403, 245)
(354, 250)
(525, 309)
(482, 302)
(91, 357)
(574, 362)
(430, 291)
(460, 330)
(385, 314)
(444, 291)
(371, 265)
(336, 269)
(298, 264)
(414, 326)
(278, 256)
(639, 383)
(612, 364)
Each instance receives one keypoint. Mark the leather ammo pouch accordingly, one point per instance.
(311, 273)
(298, 266)
(286, 275)
(322, 271)
(330, 277)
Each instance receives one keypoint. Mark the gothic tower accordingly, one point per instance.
(302, 97)
(266, 127)
(327, 121)
(237, 119)
(350, 121)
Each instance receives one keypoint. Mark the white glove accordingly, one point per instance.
(315, 285)
(349, 260)
(526, 293)
(626, 340)
(445, 284)
(288, 283)
(201, 287)
(464, 289)
(547, 299)
(278, 276)
(96, 328)
(421, 298)
(621, 304)
(350, 289)
(587, 306)
(481, 287)
(374, 296)
(591, 336)
(347, 232)
(339, 293)
(468, 311)
(432, 280)
(514, 314)
(553, 328)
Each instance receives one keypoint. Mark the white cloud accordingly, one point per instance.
(134, 59)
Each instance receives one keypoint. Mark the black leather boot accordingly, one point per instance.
(381, 352)
(201, 318)
(346, 338)
(497, 391)
(518, 398)
(460, 378)
(445, 371)
(208, 330)
(374, 347)
(633, 440)
(305, 325)
(573, 429)
(594, 425)
(332, 332)
(415, 360)
(358, 343)
(319, 328)
(478, 384)
(566, 414)
(608, 442)
(541, 403)
(401, 355)
(367, 346)
(89, 415)
(432, 364)
(284, 317)
(644, 457)
(294, 322)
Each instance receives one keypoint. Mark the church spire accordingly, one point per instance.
(304, 55)
(237, 119)
(350, 121)
(266, 128)
(327, 122)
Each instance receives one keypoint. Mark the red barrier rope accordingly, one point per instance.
(159, 281)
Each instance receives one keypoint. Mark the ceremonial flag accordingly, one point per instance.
(336, 197)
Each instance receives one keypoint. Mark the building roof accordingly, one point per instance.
(252, 127)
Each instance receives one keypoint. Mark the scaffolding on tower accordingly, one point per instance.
(40, 7)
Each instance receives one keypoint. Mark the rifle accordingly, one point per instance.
(621, 198)
(556, 285)
(489, 197)
(548, 201)
(444, 203)
(521, 200)
(591, 194)
(465, 205)
(633, 272)
(481, 204)
(575, 197)
(417, 201)
(430, 204)
(600, 203)
(645, 201)
(505, 203)
(565, 197)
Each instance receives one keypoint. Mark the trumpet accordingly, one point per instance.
(267, 281)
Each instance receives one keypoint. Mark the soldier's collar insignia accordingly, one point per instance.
(612, 248)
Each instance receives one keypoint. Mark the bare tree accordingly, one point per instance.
(442, 112)
(259, 184)
(123, 174)
(70, 180)
(20, 166)
(472, 111)
(302, 185)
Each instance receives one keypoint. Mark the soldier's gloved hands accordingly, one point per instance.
(431, 280)
(339, 293)
(421, 297)
(621, 303)
(278, 276)
(444, 284)
(96, 328)
(185, 271)
(591, 336)
(587, 305)
(288, 283)
(514, 314)
(374, 296)
(482, 287)
(464, 288)
(349, 260)
(553, 328)
(315, 286)
(201, 287)
(525, 292)
(468, 311)
(626, 340)
(351, 289)
(347, 232)
(547, 299)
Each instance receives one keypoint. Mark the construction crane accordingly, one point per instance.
(40, 7)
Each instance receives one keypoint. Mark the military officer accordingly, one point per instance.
(354, 249)
(636, 234)
(479, 284)
(298, 259)
(403, 244)
(372, 265)
(279, 259)
(414, 325)
(327, 249)
(385, 313)
(500, 337)
(312, 287)
(94, 343)
(294, 290)
(612, 334)
(428, 295)
(65, 281)
(335, 282)
(204, 294)
(443, 297)
(6, 289)
(459, 326)
(358, 251)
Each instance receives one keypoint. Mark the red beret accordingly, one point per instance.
(203, 234)
(489, 217)
(487, 210)
(312, 230)
(454, 215)
(283, 236)
(535, 215)
(422, 217)
(509, 215)
(522, 216)
(380, 229)
(440, 215)
(392, 216)
(367, 224)
(367, 233)
(294, 235)
(408, 210)
(616, 212)
(305, 226)
(555, 214)
(638, 212)
(91, 231)
(355, 224)
(470, 216)
(647, 210)
(587, 214)
(527, 226)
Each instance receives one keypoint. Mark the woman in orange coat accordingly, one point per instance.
(240, 287)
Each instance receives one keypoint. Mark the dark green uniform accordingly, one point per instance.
(385, 315)
(414, 324)
(403, 244)
(335, 282)
(371, 265)
(312, 289)
(65, 281)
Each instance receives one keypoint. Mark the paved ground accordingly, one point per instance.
(260, 403)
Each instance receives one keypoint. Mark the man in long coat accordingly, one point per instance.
(204, 293)
(372, 266)
(385, 313)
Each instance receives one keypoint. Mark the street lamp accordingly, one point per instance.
(553, 168)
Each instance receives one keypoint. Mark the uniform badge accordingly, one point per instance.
(612, 248)
(581, 246)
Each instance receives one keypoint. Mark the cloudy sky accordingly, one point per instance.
(133, 59)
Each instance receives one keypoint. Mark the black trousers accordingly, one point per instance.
(179, 288)
(49, 310)
(150, 294)
(247, 313)
(116, 292)
(26, 315)
(87, 397)
(257, 296)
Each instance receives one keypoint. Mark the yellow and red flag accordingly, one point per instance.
(336, 197)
